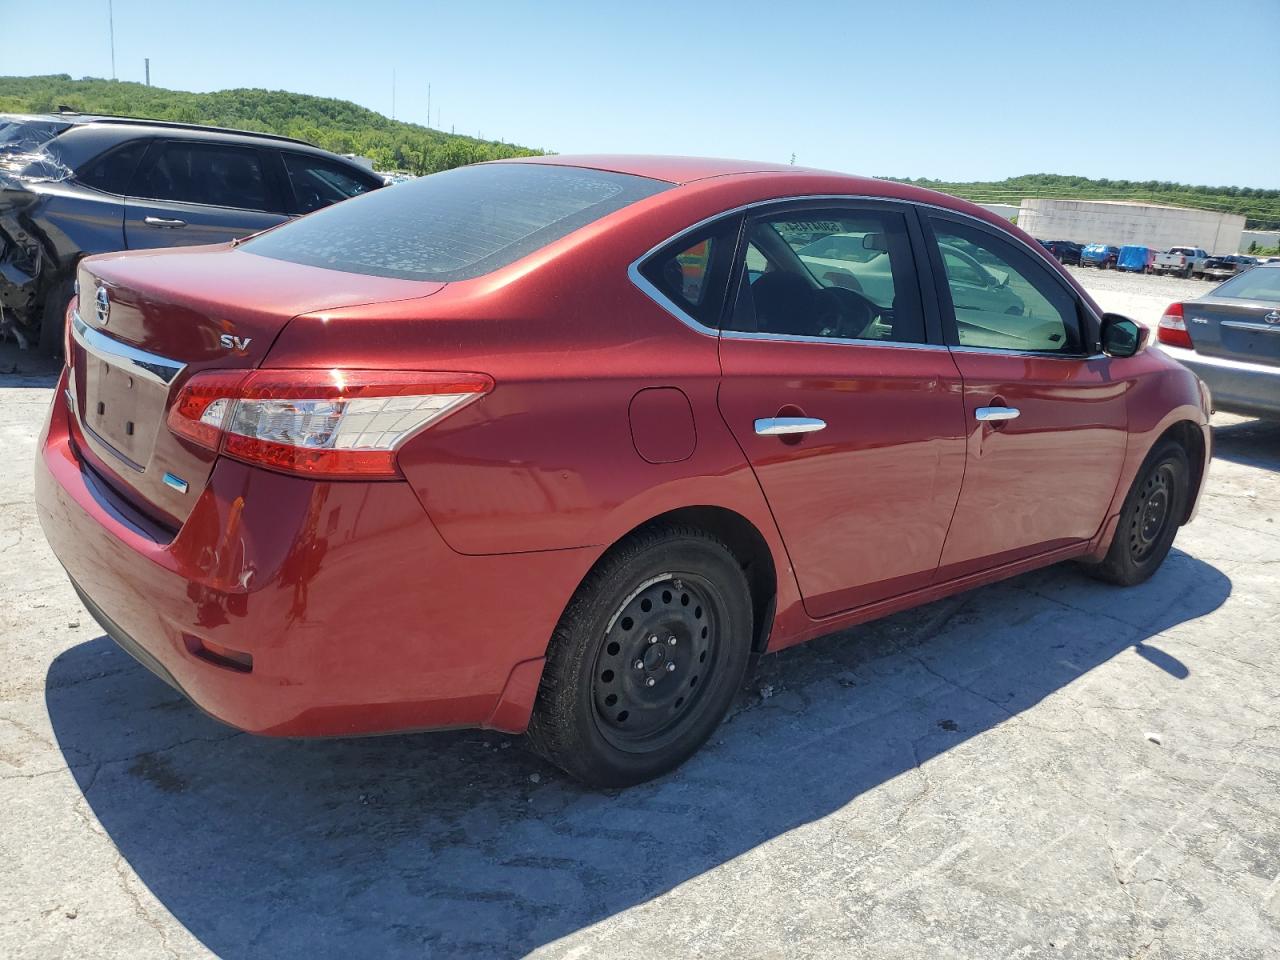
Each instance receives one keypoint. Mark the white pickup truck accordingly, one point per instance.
(1184, 261)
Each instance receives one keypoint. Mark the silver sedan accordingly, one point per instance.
(1231, 339)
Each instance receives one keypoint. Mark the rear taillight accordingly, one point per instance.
(1173, 329)
(320, 423)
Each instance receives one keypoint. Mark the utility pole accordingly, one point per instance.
(393, 93)
(111, 30)
(147, 61)
(428, 104)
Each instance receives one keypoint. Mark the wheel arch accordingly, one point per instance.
(747, 544)
(1190, 436)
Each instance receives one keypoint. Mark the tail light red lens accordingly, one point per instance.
(1173, 328)
(319, 423)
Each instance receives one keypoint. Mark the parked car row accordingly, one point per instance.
(1135, 258)
(73, 185)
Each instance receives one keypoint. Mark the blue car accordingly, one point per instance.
(1099, 255)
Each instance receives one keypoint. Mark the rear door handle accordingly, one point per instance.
(164, 222)
(997, 413)
(782, 426)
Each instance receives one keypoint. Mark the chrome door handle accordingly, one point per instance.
(997, 413)
(782, 426)
(163, 222)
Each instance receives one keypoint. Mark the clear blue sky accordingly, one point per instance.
(955, 90)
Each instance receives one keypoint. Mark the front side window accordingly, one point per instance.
(206, 173)
(455, 225)
(1003, 299)
(838, 274)
(317, 183)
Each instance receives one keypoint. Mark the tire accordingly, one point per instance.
(53, 318)
(620, 702)
(1144, 534)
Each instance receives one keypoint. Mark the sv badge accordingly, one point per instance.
(239, 344)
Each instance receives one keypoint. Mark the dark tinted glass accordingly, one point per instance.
(843, 274)
(317, 183)
(205, 173)
(114, 169)
(454, 225)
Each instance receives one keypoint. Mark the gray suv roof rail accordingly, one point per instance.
(178, 125)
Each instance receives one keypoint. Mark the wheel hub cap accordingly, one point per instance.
(655, 660)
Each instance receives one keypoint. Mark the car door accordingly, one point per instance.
(193, 192)
(1044, 417)
(844, 400)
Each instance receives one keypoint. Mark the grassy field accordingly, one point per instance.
(337, 125)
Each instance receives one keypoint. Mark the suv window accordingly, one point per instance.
(220, 176)
(837, 273)
(1003, 299)
(455, 225)
(317, 183)
(113, 170)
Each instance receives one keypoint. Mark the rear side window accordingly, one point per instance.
(112, 171)
(206, 173)
(454, 225)
(318, 183)
(835, 274)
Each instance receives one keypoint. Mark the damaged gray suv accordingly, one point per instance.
(73, 184)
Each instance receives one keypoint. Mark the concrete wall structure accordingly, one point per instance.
(1120, 223)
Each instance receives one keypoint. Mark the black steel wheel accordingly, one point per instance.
(646, 658)
(1153, 510)
(660, 645)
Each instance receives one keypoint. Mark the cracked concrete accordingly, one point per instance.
(1047, 767)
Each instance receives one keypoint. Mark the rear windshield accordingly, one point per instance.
(454, 225)
(1260, 283)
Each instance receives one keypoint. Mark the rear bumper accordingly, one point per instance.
(357, 616)
(1251, 389)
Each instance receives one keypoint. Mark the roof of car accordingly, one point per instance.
(77, 119)
(672, 169)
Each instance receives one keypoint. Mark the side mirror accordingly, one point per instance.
(1121, 337)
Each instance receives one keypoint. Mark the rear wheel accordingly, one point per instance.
(1149, 519)
(645, 660)
(54, 318)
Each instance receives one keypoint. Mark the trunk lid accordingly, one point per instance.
(1235, 329)
(148, 321)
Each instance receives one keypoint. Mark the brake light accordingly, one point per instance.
(1173, 329)
(319, 423)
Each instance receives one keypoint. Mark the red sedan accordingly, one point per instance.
(556, 444)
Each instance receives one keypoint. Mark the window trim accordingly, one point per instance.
(926, 268)
(1089, 323)
(275, 204)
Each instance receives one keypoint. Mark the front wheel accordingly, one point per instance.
(646, 659)
(1149, 519)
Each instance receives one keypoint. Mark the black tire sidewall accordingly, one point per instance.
(1120, 558)
(566, 703)
(53, 317)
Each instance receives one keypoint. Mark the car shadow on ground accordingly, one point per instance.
(27, 368)
(1251, 443)
(465, 843)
